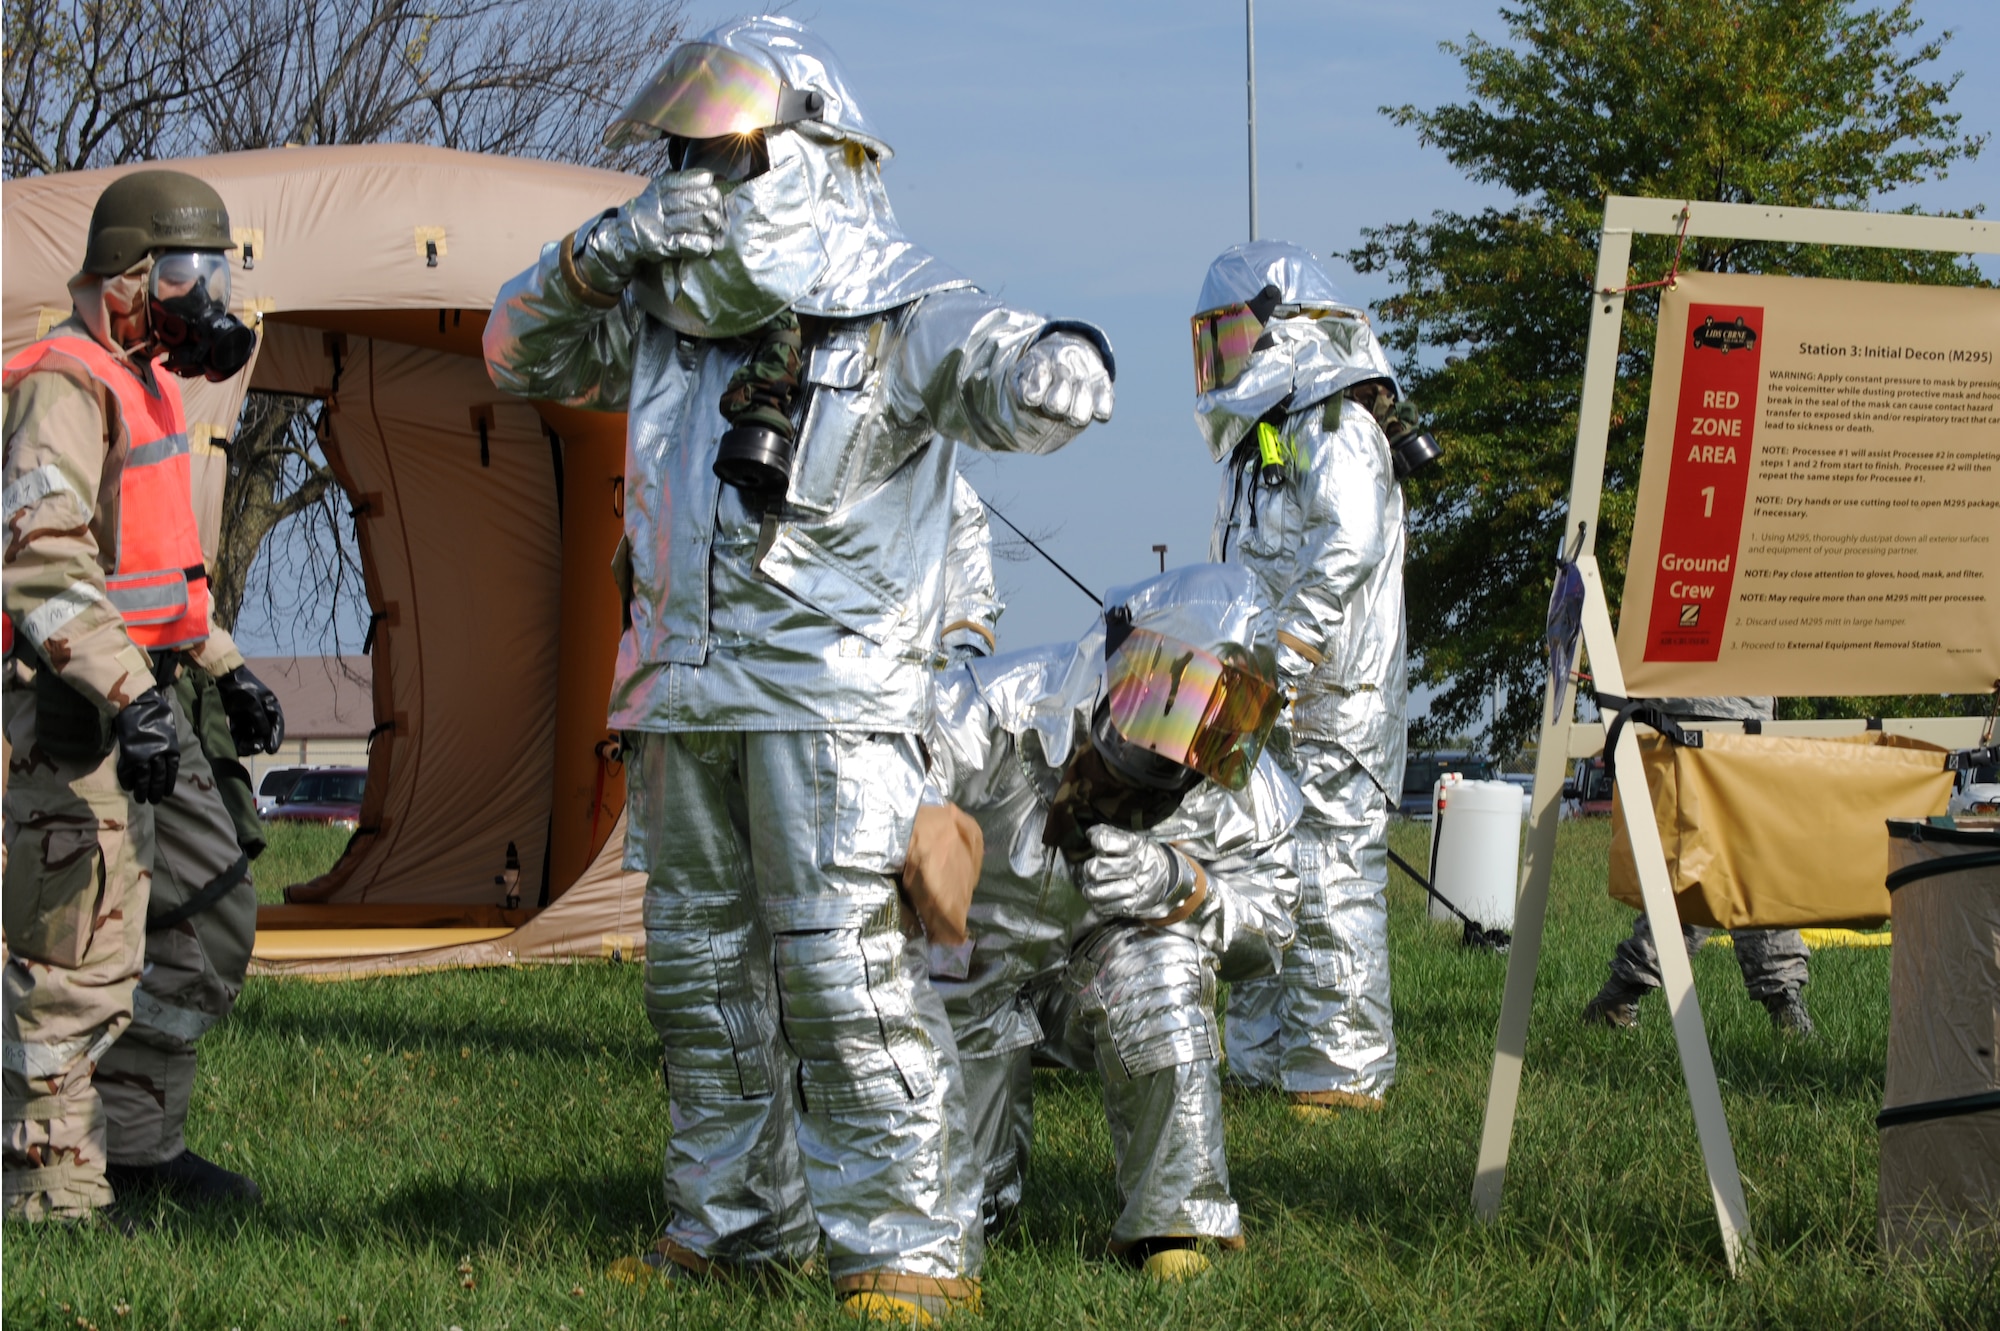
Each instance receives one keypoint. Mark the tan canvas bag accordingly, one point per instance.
(1769, 831)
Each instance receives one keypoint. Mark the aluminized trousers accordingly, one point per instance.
(100, 1059)
(812, 1078)
(1136, 1006)
(1773, 961)
(1323, 1024)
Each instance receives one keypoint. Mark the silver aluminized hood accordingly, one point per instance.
(817, 229)
(1052, 690)
(1309, 359)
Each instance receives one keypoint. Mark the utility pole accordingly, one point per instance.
(1250, 63)
(1161, 551)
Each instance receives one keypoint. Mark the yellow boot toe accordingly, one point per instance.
(1173, 1266)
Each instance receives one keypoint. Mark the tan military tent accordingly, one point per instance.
(486, 526)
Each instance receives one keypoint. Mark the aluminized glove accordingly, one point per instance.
(1064, 377)
(149, 747)
(256, 721)
(1131, 876)
(677, 216)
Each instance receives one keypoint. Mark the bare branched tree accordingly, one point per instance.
(92, 83)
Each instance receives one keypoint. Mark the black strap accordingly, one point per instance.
(228, 769)
(1638, 709)
(225, 882)
(1925, 1111)
(1911, 873)
(1965, 760)
(1476, 935)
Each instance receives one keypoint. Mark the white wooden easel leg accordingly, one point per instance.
(1503, 1092)
(1635, 803)
(1677, 976)
(1510, 1044)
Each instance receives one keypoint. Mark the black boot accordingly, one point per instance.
(1616, 1005)
(186, 1178)
(1789, 1015)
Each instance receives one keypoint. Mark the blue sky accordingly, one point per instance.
(1087, 160)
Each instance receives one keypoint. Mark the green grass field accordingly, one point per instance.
(297, 852)
(470, 1150)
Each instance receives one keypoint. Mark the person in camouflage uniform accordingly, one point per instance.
(122, 853)
(1773, 961)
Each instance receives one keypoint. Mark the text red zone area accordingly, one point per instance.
(1708, 483)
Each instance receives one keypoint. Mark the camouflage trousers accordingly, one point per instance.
(1773, 961)
(1324, 1026)
(128, 930)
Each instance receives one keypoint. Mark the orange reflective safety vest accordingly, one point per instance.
(160, 585)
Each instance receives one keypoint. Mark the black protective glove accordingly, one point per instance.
(149, 747)
(256, 722)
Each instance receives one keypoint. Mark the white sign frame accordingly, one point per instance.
(1562, 738)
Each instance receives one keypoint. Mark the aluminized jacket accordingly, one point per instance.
(989, 758)
(824, 615)
(1327, 543)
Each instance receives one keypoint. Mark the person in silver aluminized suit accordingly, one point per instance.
(1773, 961)
(794, 368)
(972, 604)
(1117, 887)
(1292, 389)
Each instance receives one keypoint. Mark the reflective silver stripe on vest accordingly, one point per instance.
(166, 447)
(169, 593)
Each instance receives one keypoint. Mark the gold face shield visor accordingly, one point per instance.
(1226, 338)
(704, 91)
(1191, 706)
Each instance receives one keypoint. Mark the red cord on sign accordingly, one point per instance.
(1673, 269)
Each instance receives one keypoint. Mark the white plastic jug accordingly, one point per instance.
(1476, 849)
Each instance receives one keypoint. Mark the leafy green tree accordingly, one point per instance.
(1805, 103)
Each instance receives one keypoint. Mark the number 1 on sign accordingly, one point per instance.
(1708, 501)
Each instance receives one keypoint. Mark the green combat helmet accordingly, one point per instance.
(153, 210)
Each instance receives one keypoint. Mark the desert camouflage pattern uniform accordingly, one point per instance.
(95, 1059)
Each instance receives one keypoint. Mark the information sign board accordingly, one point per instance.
(1819, 509)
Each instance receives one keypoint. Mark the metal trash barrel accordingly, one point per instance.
(1940, 1120)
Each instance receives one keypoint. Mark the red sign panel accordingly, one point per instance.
(1707, 484)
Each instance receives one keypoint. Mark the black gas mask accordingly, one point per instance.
(1109, 780)
(1411, 447)
(188, 310)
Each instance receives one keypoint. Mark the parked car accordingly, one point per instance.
(1422, 770)
(323, 795)
(1525, 782)
(1978, 793)
(1589, 787)
(277, 784)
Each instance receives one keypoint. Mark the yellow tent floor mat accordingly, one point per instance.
(327, 944)
(1824, 938)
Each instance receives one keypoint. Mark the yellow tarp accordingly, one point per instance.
(1823, 938)
(328, 944)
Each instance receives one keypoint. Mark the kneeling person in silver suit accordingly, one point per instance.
(1118, 886)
